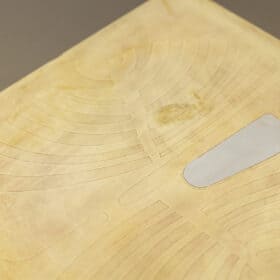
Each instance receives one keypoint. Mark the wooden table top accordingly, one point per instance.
(93, 146)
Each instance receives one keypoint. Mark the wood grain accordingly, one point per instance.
(93, 146)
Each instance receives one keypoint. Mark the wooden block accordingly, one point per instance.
(93, 146)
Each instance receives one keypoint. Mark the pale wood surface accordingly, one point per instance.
(93, 145)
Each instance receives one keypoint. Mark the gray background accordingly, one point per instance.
(35, 31)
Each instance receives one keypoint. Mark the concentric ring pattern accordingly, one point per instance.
(93, 146)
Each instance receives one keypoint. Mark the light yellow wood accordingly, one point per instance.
(93, 146)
